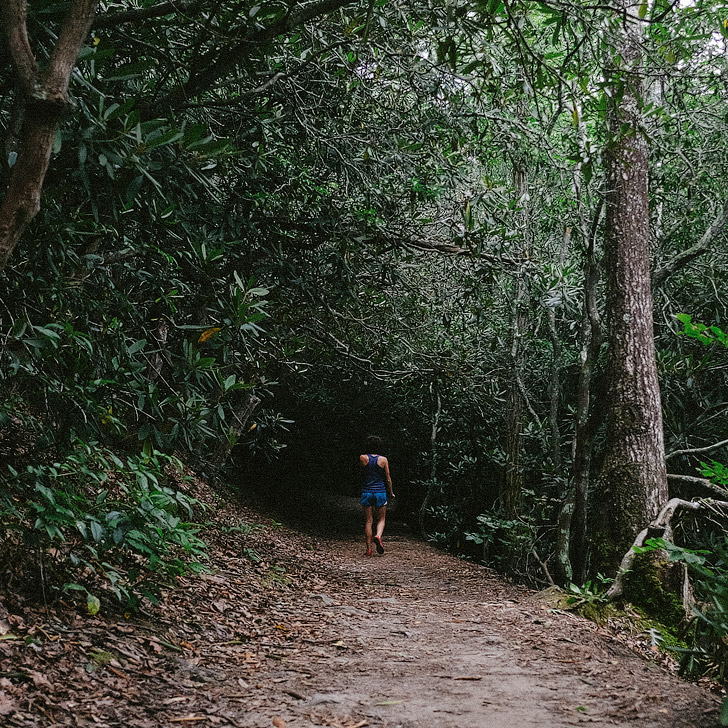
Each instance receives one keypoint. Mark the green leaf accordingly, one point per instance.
(136, 346)
(167, 138)
(73, 587)
(97, 530)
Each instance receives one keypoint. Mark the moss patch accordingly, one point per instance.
(650, 587)
(597, 612)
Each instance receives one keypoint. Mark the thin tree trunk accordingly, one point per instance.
(513, 476)
(555, 383)
(563, 568)
(241, 415)
(433, 450)
(633, 482)
(42, 104)
(587, 417)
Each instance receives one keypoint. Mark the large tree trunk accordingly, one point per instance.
(43, 99)
(633, 482)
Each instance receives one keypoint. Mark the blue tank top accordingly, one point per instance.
(374, 476)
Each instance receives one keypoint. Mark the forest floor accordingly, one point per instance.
(288, 630)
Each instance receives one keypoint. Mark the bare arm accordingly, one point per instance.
(385, 465)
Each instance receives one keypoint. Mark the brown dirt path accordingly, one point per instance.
(291, 632)
(418, 638)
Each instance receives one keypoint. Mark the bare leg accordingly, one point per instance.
(368, 522)
(381, 513)
(377, 538)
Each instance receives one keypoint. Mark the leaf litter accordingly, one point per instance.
(283, 632)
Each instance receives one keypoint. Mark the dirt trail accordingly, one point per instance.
(418, 638)
(290, 631)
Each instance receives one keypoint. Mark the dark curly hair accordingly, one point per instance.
(374, 444)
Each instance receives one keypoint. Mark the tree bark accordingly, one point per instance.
(633, 480)
(43, 102)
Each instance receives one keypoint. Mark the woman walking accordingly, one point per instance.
(377, 486)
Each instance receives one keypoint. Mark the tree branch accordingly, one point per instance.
(242, 96)
(73, 32)
(111, 20)
(14, 17)
(43, 103)
(691, 451)
(218, 65)
(715, 229)
(696, 482)
(661, 524)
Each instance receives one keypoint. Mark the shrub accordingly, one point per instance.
(108, 523)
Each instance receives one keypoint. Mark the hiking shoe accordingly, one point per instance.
(378, 544)
(368, 552)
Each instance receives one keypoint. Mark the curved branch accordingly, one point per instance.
(14, 17)
(694, 450)
(715, 229)
(661, 525)
(697, 483)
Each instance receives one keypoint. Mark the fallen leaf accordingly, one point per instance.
(93, 604)
(188, 719)
(39, 680)
(279, 722)
(7, 705)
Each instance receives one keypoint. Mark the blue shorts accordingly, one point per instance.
(373, 499)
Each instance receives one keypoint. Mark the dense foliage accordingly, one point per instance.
(268, 230)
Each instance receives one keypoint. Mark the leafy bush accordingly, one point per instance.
(506, 542)
(110, 523)
(591, 592)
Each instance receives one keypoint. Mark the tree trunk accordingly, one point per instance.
(437, 411)
(633, 482)
(513, 476)
(563, 570)
(43, 99)
(241, 415)
(588, 418)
